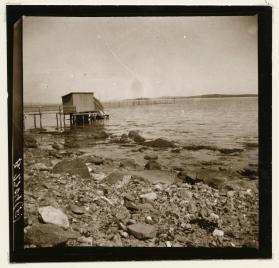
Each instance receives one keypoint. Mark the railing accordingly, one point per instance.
(37, 109)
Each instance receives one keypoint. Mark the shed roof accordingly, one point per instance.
(78, 93)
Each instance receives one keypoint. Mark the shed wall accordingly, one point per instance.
(84, 102)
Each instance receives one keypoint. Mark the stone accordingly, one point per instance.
(124, 138)
(148, 197)
(177, 150)
(185, 194)
(57, 146)
(152, 165)
(124, 234)
(117, 240)
(158, 187)
(160, 143)
(151, 156)
(148, 219)
(218, 233)
(41, 167)
(73, 167)
(142, 231)
(113, 177)
(85, 241)
(53, 215)
(188, 177)
(168, 244)
(128, 164)
(43, 235)
(77, 210)
(136, 136)
(30, 142)
(230, 193)
(139, 139)
(213, 217)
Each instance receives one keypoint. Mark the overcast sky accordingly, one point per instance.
(120, 58)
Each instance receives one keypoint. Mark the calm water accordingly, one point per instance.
(226, 122)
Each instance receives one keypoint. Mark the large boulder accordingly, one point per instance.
(142, 230)
(160, 143)
(53, 215)
(48, 235)
(74, 167)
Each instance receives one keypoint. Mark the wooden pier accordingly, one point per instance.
(61, 113)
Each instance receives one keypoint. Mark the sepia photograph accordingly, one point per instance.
(138, 132)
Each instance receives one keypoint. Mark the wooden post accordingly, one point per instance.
(23, 121)
(64, 120)
(35, 126)
(60, 118)
(56, 120)
(71, 118)
(41, 126)
(83, 120)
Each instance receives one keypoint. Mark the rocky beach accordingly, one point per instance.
(91, 187)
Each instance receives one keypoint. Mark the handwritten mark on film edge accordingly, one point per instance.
(17, 191)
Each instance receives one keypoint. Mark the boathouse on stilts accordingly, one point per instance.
(83, 108)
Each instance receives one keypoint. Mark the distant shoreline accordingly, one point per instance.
(206, 96)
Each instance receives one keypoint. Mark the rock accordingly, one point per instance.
(131, 221)
(73, 167)
(43, 235)
(130, 205)
(100, 135)
(41, 167)
(160, 143)
(57, 146)
(30, 142)
(146, 207)
(142, 231)
(77, 210)
(218, 233)
(117, 240)
(85, 241)
(124, 138)
(249, 173)
(54, 215)
(175, 150)
(97, 160)
(213, 217)
(132, 134)
(128, 164)
(152, 165)
(148, 219)
(185, 194)
(187, 177)
(124, 234)
(168, 244)
(151, 156)
(158, 187)
(230, 151)
(139, 139)
(136, 136)
(230, 193)
(148, 197)
(113, 177)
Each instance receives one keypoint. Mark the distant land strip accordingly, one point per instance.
(157, 100)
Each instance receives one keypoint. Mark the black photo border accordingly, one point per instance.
(15, 138)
